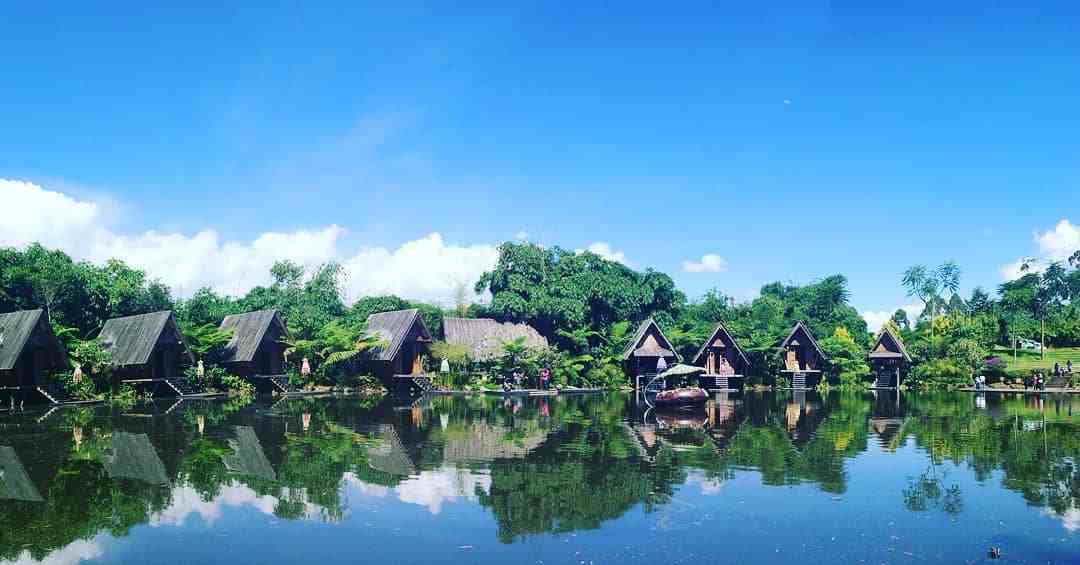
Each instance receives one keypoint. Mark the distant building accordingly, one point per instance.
(804, 360)
(724, 361)
(256, 346)
(889, 360)
(645, 350)
(485, 337)
(406, 342)
(29, 351)
(146, 346)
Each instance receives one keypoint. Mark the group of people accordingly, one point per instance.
(517, 380)
(1038, 378)
(1063, 371)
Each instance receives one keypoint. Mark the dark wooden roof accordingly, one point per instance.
(131, 340)
(17, 329)
(393, 327)
(637, 348)
(248, 332)
(800, 328)
(389, 455)
(484, 336)
(721, 329)
(889, 346)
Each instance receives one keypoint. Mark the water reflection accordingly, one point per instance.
(519, 468)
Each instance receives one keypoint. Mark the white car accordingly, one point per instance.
(1029, 344)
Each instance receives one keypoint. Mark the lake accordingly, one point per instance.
(755, 478)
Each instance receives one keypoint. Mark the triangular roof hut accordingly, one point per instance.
(808, 354)
(255, 346)
(722, 345)
(28, 348)
(649, 341)
(889, 346)
(405, 341)
(145, 345)
(484, 337)
(15, 483)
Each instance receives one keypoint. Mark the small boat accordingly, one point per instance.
(688, 396)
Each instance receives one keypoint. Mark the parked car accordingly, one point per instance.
(1029, 344)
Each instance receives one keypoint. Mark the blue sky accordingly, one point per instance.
(793, 140)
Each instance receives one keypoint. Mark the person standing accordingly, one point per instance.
(545, 378)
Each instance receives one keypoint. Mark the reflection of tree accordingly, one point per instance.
(929, 490)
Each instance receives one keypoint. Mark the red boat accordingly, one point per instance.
(680, 397)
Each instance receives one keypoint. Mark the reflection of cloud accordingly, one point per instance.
(75, 552)
(708, 486)
(433, 488)
(1070, 519)
(186, 502)
(366, 489)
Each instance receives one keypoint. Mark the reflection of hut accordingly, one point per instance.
(255, 347)
(888, 359)
(645, 350)
(132, 456)
(724, 361)
(486, 442)
(29, 350)
(484, 337)
(803, 358)
(145, 347)
(405, 343)
(247, 457)
(390, 455)
(15, 483)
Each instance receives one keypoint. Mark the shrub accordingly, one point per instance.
(941, 373)
(994, 369)
(605, 376)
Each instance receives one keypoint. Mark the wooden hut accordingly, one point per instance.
(645, 350)
(148, 350)
(485, 337)
(29, 352)
(724, 361)
(406, 341)
(256, 350)
(804, 360)
(889, 360)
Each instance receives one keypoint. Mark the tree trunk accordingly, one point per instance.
(1042, 339)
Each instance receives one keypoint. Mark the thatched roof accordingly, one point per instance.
(484, 337)
(649, 341)
(889, 346)
(800, 330)
(248, 457)
(18, 329)
(248, 332)
(721, 332)
(131, 340)
(393, 328)
(15, 483)
(133, 457)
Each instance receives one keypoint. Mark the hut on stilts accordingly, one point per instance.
(399, 361)
(147, 352)
(724, 361)
(256, 350)
(804, 360)
(889, 360)
(29, 354)
(645, 351)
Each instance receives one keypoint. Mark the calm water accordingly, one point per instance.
(589, 479)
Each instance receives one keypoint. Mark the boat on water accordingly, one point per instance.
(676, 397)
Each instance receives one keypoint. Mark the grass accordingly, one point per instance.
(1028, 360)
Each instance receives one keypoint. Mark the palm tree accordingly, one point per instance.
(926, 285)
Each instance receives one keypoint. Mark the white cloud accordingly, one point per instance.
(603, 249)
(876, 319)
(1057, 244)
(521, 235)
(424, 269)
(709, 263)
